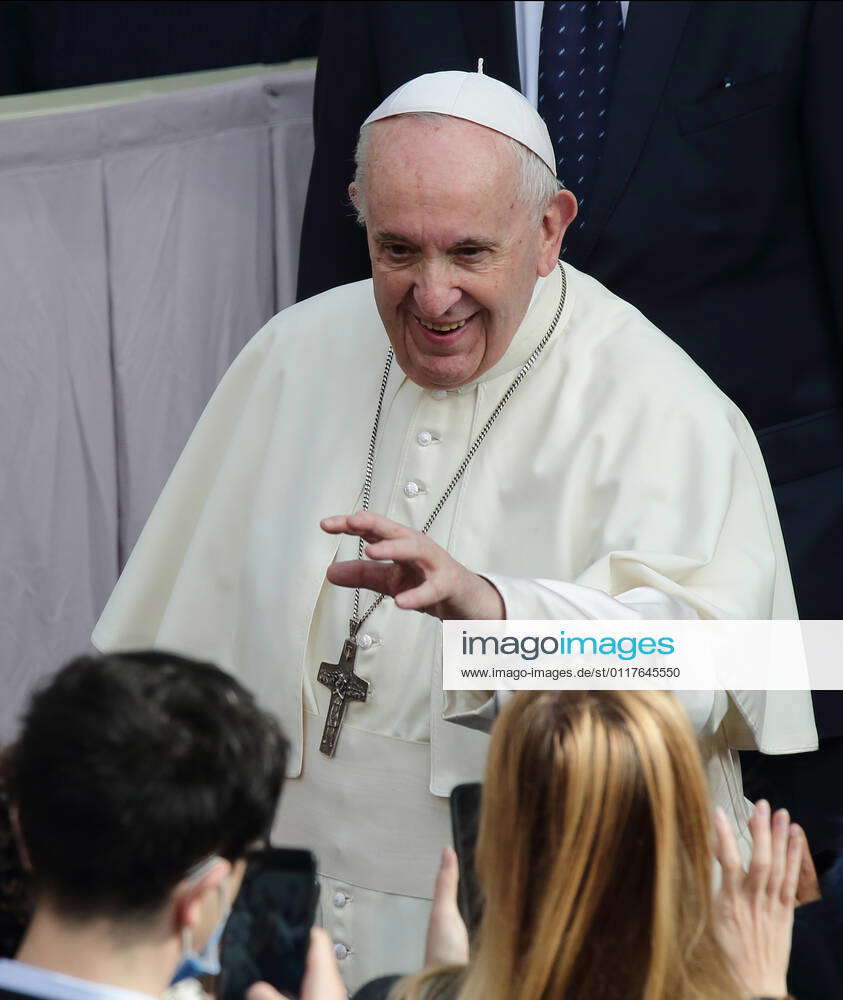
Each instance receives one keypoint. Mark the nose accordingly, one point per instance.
(434, 292)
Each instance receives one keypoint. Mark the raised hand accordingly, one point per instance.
(754, 911)
(447, 937)
(412, 569)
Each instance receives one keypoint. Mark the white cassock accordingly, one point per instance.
(618, 482)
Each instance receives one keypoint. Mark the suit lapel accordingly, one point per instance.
(648, 49)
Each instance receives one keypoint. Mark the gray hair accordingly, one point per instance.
(536, 183)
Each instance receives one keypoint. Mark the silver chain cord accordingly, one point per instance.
(357, 620)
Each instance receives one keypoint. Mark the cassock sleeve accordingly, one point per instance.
(701, 542)
(770, 721)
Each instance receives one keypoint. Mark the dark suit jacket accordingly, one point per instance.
(718, 211)
(816, 957)
(816, 963)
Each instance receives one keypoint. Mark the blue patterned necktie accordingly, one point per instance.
(577, 56)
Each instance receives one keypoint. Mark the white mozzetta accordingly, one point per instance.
(618, 482)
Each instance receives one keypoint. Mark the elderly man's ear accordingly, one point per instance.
(352, 196)
(560, 213)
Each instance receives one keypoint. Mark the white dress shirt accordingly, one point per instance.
(19, 977)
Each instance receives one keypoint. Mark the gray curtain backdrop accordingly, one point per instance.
(141, 245)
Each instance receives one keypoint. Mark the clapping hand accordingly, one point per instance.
(754, 910)
(808, 887)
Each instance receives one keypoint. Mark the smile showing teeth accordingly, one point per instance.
(442, 329)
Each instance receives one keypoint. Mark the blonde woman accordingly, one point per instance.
(595, 862)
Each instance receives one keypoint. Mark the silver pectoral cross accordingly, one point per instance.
(345, 686)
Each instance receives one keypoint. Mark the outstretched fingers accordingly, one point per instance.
(793, 865)
(754, 912)
(759, 866)
(778, 851)
(364, 524)
(727, 853)
(409, 548)
(377, 576)
(412, 569)
(425, 595)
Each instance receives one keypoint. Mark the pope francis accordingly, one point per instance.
(478, 432)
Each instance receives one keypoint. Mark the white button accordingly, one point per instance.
(411, 489)
(340, 951)
(439, 393)
(365, 641)
(424, 438)
(340, 899)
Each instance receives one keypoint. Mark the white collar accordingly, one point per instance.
(20, 977)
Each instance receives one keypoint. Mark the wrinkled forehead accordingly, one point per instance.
(443, 159)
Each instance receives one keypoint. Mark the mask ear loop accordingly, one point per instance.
(197, 872)
(201, 869)
(224, 901)
(186, 942)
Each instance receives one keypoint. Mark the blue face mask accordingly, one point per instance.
(207, 961)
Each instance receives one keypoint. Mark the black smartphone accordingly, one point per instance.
(465, 819)
(268, 931)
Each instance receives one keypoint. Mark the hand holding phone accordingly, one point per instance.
(322, 980)
(268, 931)
(447, 936)
(465, 822)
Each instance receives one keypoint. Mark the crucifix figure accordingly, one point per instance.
(345, 686)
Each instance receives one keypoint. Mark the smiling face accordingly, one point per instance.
(455, 253)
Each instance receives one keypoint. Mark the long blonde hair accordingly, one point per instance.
(594, 855)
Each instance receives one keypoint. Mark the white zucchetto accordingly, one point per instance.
(473, 97)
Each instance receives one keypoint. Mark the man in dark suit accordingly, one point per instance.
(716, 208)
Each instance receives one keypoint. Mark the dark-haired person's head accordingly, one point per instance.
(138, 782)
(15, 903)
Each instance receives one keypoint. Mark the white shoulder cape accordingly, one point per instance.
(618, 465)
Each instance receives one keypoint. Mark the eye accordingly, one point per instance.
(471, 252)
(396, 249)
